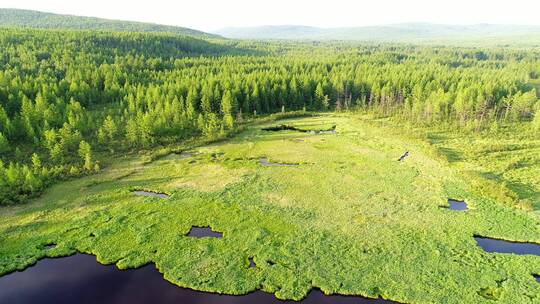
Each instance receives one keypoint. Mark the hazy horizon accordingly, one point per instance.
(210, 16)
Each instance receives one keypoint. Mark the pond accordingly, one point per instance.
(80, 279)
(201, 232)
(150, 194)
(457, 205)
(331, 130)
(501, 246)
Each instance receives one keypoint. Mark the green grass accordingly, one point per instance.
(504, 164)
(350, 219)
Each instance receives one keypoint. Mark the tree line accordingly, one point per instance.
(67, 97)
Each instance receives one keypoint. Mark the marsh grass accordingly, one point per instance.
(352, 221)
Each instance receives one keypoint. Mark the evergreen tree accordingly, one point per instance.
(325, 102)
(320, 97)
(226, 109)
(85, 154)
(211, 126)
(4, 144)
(36, 163)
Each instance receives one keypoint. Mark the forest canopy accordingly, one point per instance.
(10, 17)
(67, 97)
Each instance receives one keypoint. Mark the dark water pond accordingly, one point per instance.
(457, 205)
(200, 232)
(500, 246)
(332, 130)
(150, 194)
(264, 161)
(80, 279)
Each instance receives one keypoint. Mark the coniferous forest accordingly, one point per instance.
(71, 97)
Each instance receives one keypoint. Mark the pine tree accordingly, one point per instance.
(226, 108)
(132, 132)
(4, 144)
(325, 102)
(200, 123)
(211, 127)
(5, 123)
(110, 129)
(85, 154)
(31, 184)
(206, 99)
(319, 97)
(36, 163)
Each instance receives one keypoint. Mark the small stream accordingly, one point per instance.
(80, 279)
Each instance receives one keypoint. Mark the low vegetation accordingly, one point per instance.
(362, 224)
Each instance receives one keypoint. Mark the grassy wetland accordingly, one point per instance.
(348, 219)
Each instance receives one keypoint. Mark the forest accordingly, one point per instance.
(69, 99)
(10, 17)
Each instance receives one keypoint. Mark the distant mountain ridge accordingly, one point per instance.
(35, 19)
(394, 32)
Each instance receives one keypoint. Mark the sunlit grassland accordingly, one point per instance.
(348, 219)
(503, 164)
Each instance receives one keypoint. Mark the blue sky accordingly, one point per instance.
(214, 14)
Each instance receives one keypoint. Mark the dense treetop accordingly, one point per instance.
(36, 19)
(67, 97)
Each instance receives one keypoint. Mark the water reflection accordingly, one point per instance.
(80, 279)
(201, 232)
(457, 205)
(500, 246)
